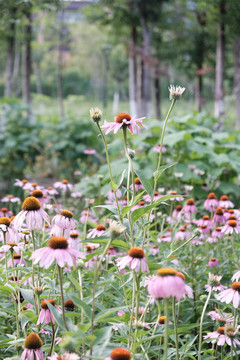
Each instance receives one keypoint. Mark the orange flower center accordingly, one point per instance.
(31, 203)
(120, 354)
(162, 320)
(205, 217)
(224, 198)
(219, 211)
(211, 196)
(58, 242)
(220, 330)
(232, 223)
(44, 304)
(69, 305)
(4, 210)
(190, 202)
(37, 194)
(136, 252)
(137, 181)
(74, 235)
(16, 256)
(24, 181)
(100, 228)
(179, 208)
(232, 217)
(64, 181)
(5, 221)
(181, 275)
(66, 213)
(167, 272)
(236, 286)
(122, 116)
(213, 259)
(33, 341)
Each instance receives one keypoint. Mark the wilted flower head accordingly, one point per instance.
(230, 330)
(213, 280)
(116, 228)
(96, 114)
(175, 92)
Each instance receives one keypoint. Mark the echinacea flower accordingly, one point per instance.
(17, 260)
(217, 233)
(32, 345)
(189, 208)
(213, 262)
(205, 220)
(218, 217)
(45, 314)
(74, 241)
(20, 183)
(4, 212)
(182, 234)
(224, 201)
(211, 203)
(63, 185)
(64, 221)
(166, 284)
(231, 295)
(38, 194)
(11, 199)
(236, 276)
(123, 120)
(177, 212)
(96, 114)
(135, 260)
(7, 230)
(32, 213)
(231, 227)
(65, 356)
(138, 185)
(58, 250)
(119, 354)
(90, 152)
(175, 92)
(220, 316)
(220, 337)
(100, 230)
(157, 148)
(69, 305)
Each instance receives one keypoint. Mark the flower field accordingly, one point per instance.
(137, 261)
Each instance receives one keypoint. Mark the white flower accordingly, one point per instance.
(175, 92)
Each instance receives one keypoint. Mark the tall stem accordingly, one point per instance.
(132, 312)
(52, 342)
(62, 296)
(109, 169)
(94, 290)
(201, 323)
(175, 326)
(166, 329)
(136, 311)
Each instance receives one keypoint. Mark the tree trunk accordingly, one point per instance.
(236, 52)
(140, 71)
(27, 61)
(219, 80)
(157, 93)
(132, 66)
(199, 93)
(146, 110)
(15, 85)
(10, 54)
(59, 68)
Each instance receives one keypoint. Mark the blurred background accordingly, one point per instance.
(60, 58)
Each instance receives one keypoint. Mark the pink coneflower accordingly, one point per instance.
(32, 213)
(217, 233)
(166, 284)
(138, 185)
(17, 260)
(224, 334)
(228, 212)
(182, 234)
(205, 220)
(8, 231)
(110, 194)
(213, 262)
(224, 201)
(218, 287)
(162, 320)
(177, 212)
(90, 152)
(188, 289)
(64, 221)
(123, 120)
(164, 238)
(65, 356)
(38, 194)
(10, 198)
(45, 314)
(178, 198)
(12, 245)
(212, 240)
(211, 203)
(63, 185)
(4, 212)
(157, 196)
(138, 205)
(204, 229)
(231, 295)
(158, 147)
(100, 229)
(76, 194)
(51, 191)
(45, 332)
(231, 227)
(236, 276)
(74, 241)
(87, 215)
(32, 345)
(218, 217)
(154, 250)
(220, 316)
(135, 260)
(189, 208)
(58, 250)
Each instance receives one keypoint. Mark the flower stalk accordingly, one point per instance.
(201, 323)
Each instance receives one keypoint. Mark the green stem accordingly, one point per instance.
(94, 290)
(85, 226)
(166, 329)
(186, 242)
(62, 296)
(81, 297)
(201, 323)
(5, 255)
(132, 312)
(175, 327)
(52, 342)
(136, 311)
(109, 169)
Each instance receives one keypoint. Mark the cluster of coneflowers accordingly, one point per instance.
(140, 241)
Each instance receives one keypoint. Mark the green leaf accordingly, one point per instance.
(162, 169)
(28, 295)
(75, 282)
(121, 178)
(118, 243)
(104, 313)
(137, 198)
(145, 183)
(86, 308)
(57, 315)
(6, 289)
(136, 214)
(111, 208)
(113, 185)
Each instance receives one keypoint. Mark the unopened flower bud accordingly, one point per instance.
(116, 228)
(131, 153)
(197, 232)
(80, 264)
(38, 290)
(96, 114)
